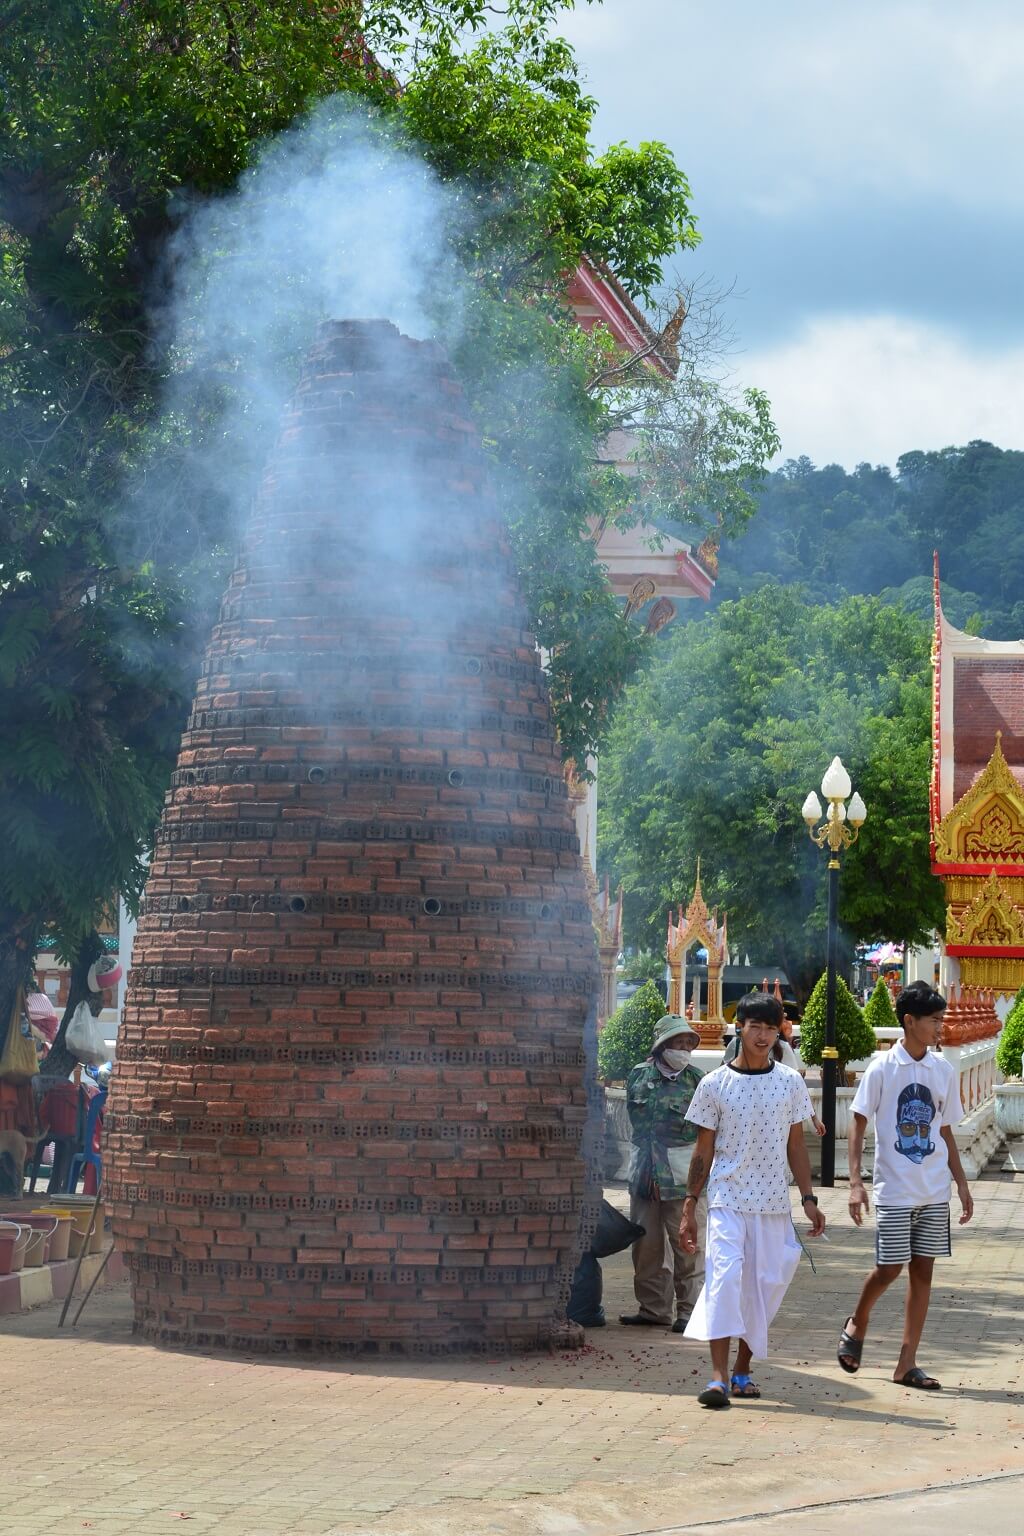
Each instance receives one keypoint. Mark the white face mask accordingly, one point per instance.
(676, 1060)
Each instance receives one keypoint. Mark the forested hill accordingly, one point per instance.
(873, 531)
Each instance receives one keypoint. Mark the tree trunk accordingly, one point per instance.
(802, 971)
(17, 953)
(59, 1060)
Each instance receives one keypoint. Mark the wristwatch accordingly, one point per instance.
(805, 1198)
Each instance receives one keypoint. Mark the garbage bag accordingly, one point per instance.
(614, 1232)
(584, 1305)
(641, 1174)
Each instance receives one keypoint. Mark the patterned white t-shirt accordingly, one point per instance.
(751, 1114)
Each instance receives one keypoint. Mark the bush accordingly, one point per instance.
(854, 1037)
(1010, 1050)
(629, 1034)
(879, 1012)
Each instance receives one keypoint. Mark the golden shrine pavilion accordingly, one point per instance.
(977, 801)
(702, 928)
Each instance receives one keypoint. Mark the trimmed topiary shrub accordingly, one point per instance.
(629, 1034)
(854, 1038)
(1010, 1050)
(879, 1012)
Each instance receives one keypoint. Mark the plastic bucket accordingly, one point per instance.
(35, 1248)
(10, 1234)
(79, 1207)
(60, 1239)
(78, 1227)
(41, 1224)
(20, 1244)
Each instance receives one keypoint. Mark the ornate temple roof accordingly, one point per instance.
(978, 695)
(698, 925)
(650, 579)
(598, 298)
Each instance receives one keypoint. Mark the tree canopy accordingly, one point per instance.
(713, 750)
(873, 531)
(115, 121)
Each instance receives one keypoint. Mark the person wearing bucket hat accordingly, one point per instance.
(658, 1094)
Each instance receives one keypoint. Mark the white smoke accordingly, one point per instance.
(336, 219)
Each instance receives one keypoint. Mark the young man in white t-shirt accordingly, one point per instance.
(750, 1113)
(913, 1096)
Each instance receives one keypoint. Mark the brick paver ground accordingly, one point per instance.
(106, 1434)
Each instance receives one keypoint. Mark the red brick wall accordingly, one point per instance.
(351, 1105)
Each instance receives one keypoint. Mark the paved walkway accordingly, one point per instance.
(108, 1435)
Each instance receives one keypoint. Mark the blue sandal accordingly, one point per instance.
(715, 1395)
(745, 1386)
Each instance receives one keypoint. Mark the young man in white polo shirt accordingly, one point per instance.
(913, 1096)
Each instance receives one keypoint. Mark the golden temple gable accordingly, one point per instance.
(977, 803)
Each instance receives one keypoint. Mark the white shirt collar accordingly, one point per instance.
(905, 1059)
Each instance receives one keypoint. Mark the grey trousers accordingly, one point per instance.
(663, 1273)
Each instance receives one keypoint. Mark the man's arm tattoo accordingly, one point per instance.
(697, 1174)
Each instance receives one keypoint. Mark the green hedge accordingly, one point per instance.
(629, 1034)
(1010, 1050)
(855, 1038)
(879, 1012)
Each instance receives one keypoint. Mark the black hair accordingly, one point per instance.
(762, 1006)
(919, 1000)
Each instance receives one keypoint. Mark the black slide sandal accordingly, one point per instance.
(849, 1347)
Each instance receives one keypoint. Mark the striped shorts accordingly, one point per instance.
(904, 1232)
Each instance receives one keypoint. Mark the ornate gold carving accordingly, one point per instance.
(578, 786)
(962, 889)
(997, 834)
(991, 918)
(986, 826)
(707, 555)
(999, 973)
(642, 591)
(663, 612)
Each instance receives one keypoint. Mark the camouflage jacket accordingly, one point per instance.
(657, 1108)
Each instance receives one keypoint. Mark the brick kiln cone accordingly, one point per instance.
(350, 1108)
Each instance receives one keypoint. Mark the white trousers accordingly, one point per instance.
(749, 1262)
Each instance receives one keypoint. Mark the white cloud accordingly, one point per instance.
(851, 389)
(787, 98)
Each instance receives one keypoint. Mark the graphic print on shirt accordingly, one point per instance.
(915, 1111)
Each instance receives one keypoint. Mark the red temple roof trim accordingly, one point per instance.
(598, 298)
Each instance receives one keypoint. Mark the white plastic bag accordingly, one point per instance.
(85, 1037)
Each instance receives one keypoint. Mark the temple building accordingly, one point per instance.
(977, 803)
(650, 582)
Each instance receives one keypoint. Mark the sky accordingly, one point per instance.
(855, 169)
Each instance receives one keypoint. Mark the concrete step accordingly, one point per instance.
(51, 1282)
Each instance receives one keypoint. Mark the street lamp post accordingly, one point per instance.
(840, 828)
